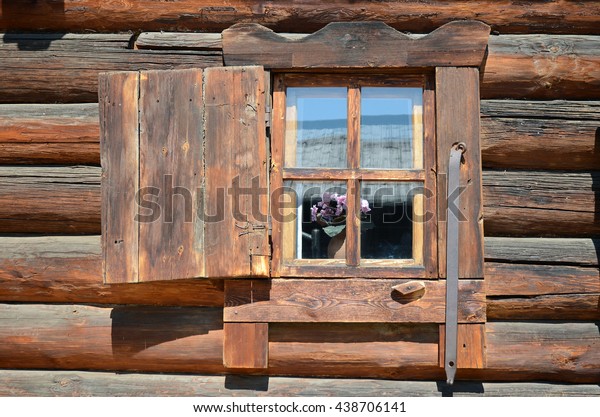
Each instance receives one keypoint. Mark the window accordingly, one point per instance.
(352, 181)
(356, 200)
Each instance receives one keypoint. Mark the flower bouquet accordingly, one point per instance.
(331, 212)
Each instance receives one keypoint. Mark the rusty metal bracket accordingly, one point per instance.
(452, 242)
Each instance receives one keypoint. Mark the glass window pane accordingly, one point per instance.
(387, 227)
(319, 232)
(316, 127)
(391, 128)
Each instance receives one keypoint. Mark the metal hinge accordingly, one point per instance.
(268, 117)
(452, 261)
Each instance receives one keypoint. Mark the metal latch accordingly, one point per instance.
(452, 243)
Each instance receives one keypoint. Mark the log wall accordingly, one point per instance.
(540, 135)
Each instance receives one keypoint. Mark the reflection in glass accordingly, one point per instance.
(322, 219)
(388, 230)
(316, 127)
(391, 127)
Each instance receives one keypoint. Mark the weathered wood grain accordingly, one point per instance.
(55, 200)
(559, 350)
(513, 279)
(49, 134)
(563, 251)
(557, 16)
(64, 67)
(563, 306)
(555, 109)
(457, 120)
(179, 40)
(25, 383)
(142, 338)
(120, 155)
(530, 203)
(566, 133)
(51, 68)
(236, 183)
(246, 345)
(540, 142)
(357, 45)
(179, 339)
(542, 67)
(171, 171)
(68, 269)
(347, 301)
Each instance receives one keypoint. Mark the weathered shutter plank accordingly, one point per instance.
(457, 96)
(236, 209)
(171, 151)
(118, 96)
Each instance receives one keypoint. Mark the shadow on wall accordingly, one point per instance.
(135, 329)
(13, 12)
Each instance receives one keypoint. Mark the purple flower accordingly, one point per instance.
(333, 206)
(364, 206)
(313, 213)
(341, 205)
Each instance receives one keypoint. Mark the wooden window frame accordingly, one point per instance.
(424, 264)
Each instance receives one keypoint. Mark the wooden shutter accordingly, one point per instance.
(156, 190)
(237, 242)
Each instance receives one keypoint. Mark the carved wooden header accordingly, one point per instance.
(357, 45)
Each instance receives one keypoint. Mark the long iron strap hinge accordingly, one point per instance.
(452, 242)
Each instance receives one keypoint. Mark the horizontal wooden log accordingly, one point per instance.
(572, 347)
(558, 16)
(514, 134)
(49, 134)
(63, 200)
(564, 306)
(529, 203)
(24, 383)
(135, 338)
(64, 67)
(533, 280)
(68, 269)
(348, 301)
(179, 339)
(66, 200)
(542, 67)
(564, 251)
(540, 135)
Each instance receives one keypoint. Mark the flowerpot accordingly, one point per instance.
(337, 246)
